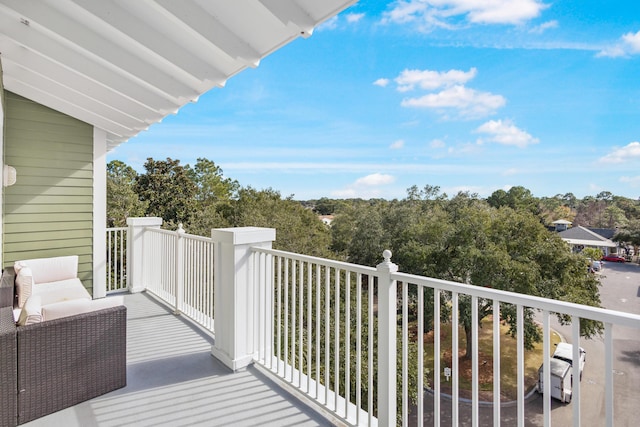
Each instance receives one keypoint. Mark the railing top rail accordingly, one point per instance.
(330, 263)
(160, 231)
(176, 233)
(197, 238)
(583, 311)
(117, 228)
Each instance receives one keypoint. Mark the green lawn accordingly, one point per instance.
(508, 362)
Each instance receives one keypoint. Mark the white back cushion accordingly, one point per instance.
(78, 306)
(54, 269)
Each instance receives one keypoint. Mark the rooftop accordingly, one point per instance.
(173, 380)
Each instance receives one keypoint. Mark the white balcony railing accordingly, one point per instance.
(337, 334)
(179, 269)
(116, 259)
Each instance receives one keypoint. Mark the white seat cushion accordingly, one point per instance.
(63, 290)
(78, 306)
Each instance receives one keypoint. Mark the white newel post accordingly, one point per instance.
(235, 302)
(387, 341)
(135, 251)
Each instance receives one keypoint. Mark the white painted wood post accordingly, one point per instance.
(387, 363)
(135, 251)
(179, 270)
(235, 303)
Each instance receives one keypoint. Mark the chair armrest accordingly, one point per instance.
(66, 361)
(8, 368)
(7, 287)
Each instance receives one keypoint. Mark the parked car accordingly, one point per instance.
(596, 265)
(613, 258)
(564, 351)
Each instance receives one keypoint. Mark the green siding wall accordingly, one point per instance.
(49, 211)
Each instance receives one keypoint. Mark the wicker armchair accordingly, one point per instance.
(49, 366)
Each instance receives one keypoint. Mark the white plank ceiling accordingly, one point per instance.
(122, 65)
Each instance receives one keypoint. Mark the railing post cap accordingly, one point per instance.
(180, 230)
(387, 265)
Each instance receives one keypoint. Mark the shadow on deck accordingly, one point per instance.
(173, 380)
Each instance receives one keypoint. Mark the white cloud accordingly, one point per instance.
(381, 82)
(329, 24)
(354, 17)
(375, 179)
(437, 143)
(539, 29)
(510, 172)
(366, 187)
(430, 14)
(633, 181)
(504, 132)
(469, 103)
(431, 80)
(632, 41)
(396, 145)
(628, 45)
(619, 155)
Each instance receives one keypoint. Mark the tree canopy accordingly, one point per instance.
(502, 242)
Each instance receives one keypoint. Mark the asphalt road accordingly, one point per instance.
(620, 291)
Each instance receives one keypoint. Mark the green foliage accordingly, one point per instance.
(168, 189)
(298, 229)
(122, 200)
(466, 239)
(592, 253)
(211, 185)
(518, 198)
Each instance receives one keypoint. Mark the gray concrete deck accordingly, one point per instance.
(173, 380)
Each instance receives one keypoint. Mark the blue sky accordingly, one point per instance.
(463, 94)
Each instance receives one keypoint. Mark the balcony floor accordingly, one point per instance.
(173, 380)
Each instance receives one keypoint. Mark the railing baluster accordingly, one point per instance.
(370, 351)
(347, 340)
(300, 322)
(405, 353)
(358, 348)
(474, 362)
(575, 396)
(285, 348)
(546, 369)
(454, 359)
(294, 296)
(336, 342)
(279, 338)
(309, 324)
(318, 361)
(327, 336)
(520, 357)
(608, 373)
(436, 357)
(420, 356)
(496, 362)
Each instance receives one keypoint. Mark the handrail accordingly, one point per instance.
(316, 260)
(554, 306)
(301, 299)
